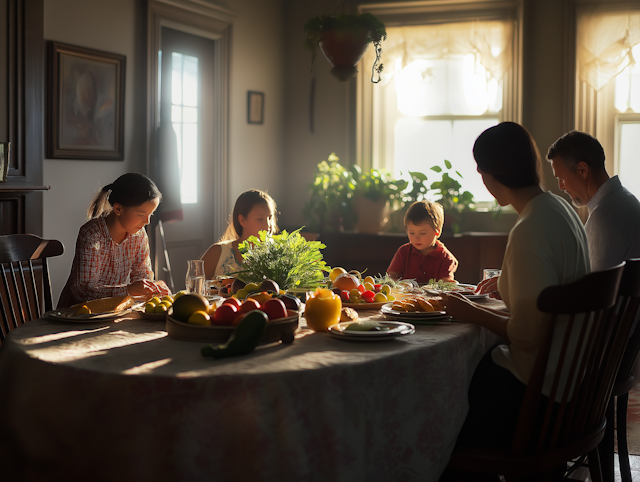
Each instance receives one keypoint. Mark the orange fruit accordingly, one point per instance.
(322, 309)
(346, 282)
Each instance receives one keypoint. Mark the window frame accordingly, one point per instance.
(371, 148)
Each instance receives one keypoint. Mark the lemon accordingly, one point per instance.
(335, 272)
(199, 318)
(250, 288)
(156, 300)
(380, 297)
(149, 307)
(386, 289)
(369, 279)
(160, 308)
(179, 294)
(241, 294)
(391, 298)
(168, 298)
(84, 310)
(167, 304)
(369, 286)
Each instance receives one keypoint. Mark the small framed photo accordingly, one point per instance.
(255, 107)
(86, 103)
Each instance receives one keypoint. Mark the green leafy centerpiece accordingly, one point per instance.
(286, 258)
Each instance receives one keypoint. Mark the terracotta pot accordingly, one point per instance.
(371, 214)
(343, 49)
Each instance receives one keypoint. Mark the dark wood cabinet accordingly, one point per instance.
(373, 252)
(22, 112)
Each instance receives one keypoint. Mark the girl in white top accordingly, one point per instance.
(547, 246)
(253, 212)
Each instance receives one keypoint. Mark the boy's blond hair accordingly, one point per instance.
(421, 211)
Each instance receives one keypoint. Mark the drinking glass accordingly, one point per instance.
(490, 273)
(194, 280)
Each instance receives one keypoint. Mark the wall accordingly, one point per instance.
(542, 106)
(255, 159)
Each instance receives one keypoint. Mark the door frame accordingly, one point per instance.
(215, 23)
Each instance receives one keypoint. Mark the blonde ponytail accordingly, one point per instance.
(100, 203)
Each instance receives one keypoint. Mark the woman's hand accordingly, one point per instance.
(490, 287)
(147, 288)
(459, 307)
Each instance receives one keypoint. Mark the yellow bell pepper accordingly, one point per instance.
(322, 309)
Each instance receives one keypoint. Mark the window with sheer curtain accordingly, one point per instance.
(608, 85)
(443, 85)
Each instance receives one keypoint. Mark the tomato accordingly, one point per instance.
(345, 296)
(249, 305)
(368, 296)
(322, 309)
(233, 301)
(377, 288)
(361, 288)
(275, 309)
(224, 315)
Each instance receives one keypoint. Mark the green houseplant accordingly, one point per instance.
(329, 207)
(376, 191)
(344, 39)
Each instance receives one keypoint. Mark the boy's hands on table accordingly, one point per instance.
(490, 287)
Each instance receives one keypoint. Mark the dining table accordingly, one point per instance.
(120, 400)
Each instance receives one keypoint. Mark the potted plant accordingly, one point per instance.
(344, 39)
(329, 207)
(374, 190)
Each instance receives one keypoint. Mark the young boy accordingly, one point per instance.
(423, 257)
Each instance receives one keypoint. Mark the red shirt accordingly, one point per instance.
(101, 268)
(438, 264)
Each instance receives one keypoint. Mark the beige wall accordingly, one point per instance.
(542, 109)
(255, 152)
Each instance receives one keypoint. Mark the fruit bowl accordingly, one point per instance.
(280, 329)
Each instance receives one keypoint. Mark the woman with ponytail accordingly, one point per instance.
(112, 250)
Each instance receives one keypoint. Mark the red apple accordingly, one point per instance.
(233, 301)
(224, 315)
(249, 305)
(274, 308)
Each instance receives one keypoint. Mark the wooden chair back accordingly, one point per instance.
(586, 308)
(25, 290)
(629, 293)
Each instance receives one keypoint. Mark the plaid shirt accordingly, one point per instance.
(101, 268)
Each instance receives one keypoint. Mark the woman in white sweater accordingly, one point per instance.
(547, 246)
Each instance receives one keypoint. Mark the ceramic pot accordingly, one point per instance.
(371, 214)
(343, 49)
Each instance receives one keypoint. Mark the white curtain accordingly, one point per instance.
(605, 38)
(490, 41)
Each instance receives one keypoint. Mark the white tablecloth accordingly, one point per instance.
(121, 401)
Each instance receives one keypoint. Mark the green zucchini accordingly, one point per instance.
(244, 338)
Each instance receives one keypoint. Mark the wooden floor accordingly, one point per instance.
(583, 473)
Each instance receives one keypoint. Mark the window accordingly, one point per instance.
(184, 117)
(608, 85)
(443, 84)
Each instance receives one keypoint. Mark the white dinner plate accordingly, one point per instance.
(434, 320)
(396, 329)
(69, 314)
(387, 309)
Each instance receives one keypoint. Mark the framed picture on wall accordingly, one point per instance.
(255, 107)
(86, 103)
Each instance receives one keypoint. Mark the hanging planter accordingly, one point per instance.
(344, 39)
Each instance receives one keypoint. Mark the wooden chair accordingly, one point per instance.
(629, 305)
(26, 290)
(575, 425)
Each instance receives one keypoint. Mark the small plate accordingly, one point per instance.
(396, 329)
(433, 320)
(387, 309)
(68, 314)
